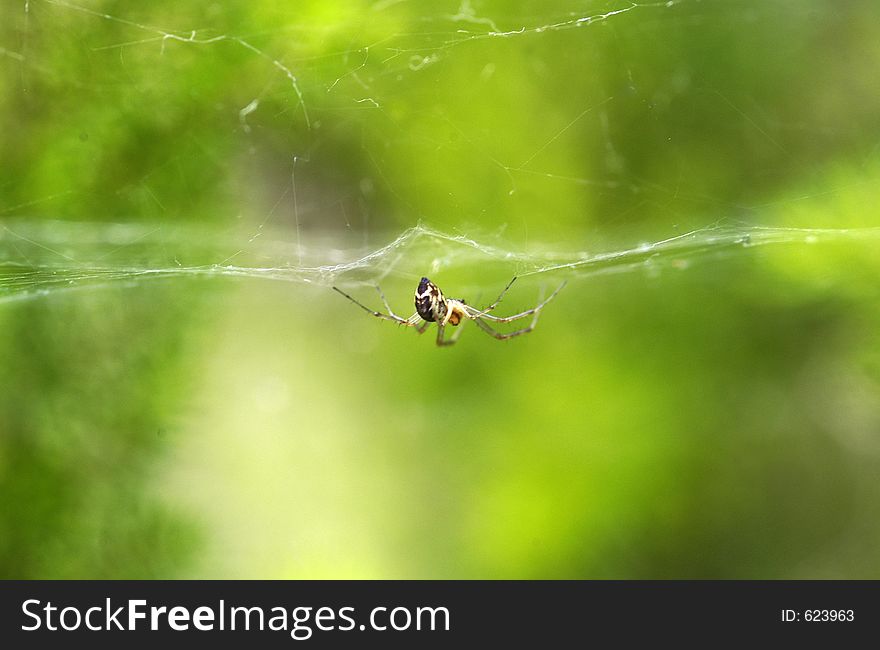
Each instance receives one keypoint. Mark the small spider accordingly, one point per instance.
(433, 307)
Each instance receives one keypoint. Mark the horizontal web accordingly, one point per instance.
(38, 259)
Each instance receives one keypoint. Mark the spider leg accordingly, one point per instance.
(390, 316)
(497, 300)
(501, 295)
(503, 336)
(387, 306)
(476, 315)
(418, 322)
(443, 342)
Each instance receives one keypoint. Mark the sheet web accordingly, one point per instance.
(40, 259)
(41, 255)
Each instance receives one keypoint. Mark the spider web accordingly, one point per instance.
(297, 226)
(39, 259)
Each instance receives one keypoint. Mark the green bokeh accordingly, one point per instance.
(714, 417)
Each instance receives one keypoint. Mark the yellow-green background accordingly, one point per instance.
(714, 418)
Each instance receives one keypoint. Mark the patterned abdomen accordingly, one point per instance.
(430, 304)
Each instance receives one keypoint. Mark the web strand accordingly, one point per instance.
(35, 265)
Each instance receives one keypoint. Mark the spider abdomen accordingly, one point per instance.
(430, 303)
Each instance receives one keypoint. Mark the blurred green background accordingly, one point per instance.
(710, 417)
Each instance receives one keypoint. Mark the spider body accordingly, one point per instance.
(433, 307)
(430, 303)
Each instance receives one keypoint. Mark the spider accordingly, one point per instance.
(433, 307)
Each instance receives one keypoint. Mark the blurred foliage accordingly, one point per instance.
(711, 418)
